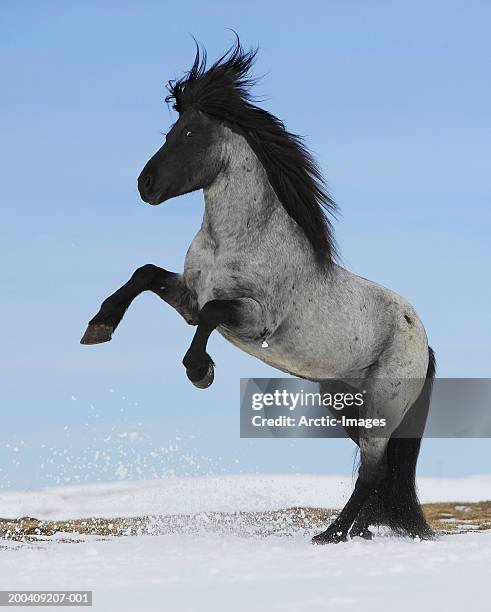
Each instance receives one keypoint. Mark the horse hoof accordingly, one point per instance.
(96, 334)
(329, 537)
(366, 534)
(202, 380)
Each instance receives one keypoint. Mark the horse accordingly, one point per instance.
(264, 271)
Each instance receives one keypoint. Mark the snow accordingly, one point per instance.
(220, 493)
(211, 571)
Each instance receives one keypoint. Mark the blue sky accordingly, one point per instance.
(394, 100)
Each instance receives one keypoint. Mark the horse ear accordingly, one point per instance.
(177, 87)
(172, 96)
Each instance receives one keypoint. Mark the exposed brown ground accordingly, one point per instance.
(443, 517)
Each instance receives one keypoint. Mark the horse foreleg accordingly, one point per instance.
(244, 312)
(372, 471)
(167, 285)
(199, 365)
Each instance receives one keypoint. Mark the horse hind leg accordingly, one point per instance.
(372, 471)
(359, 510)
(394, 500)
(372, 510)
(385, 399)
(365, 518)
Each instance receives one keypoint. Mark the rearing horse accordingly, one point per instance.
(262, 271)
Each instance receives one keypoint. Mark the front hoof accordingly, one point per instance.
(96, 334)
(329, 536)
(202, 378)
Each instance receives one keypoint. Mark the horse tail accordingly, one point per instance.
(396, 502)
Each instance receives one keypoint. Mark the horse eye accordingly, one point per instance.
(189, 134)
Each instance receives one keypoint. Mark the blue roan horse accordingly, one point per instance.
(262, 271)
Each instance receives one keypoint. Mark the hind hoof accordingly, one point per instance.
(366, 534)
(202, 378)
(329, 536)
(96, 334)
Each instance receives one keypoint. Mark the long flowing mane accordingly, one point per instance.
(223, 91)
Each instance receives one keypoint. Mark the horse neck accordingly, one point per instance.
(241, 198)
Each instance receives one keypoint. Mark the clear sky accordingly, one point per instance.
(394, 100)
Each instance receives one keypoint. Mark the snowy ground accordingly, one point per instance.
(228, 572)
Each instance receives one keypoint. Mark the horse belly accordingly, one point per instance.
(284, 353)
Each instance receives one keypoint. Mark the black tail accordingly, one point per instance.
(396, 501)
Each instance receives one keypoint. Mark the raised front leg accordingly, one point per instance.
(199, 365)
(242, 313)
(167, 285)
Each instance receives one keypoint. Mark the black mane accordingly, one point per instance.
(222, 91)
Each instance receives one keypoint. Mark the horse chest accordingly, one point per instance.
(207, 271)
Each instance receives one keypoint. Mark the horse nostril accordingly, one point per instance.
(148, 186)
(147, 182)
